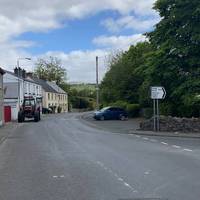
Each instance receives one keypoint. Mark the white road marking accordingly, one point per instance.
(138, 136)
(100, 163)
(117, 176)
(105, 168)
(146, 173)
(153, 140)
(62, 176)
(175, 146)
(189, 150)
(55, 176)
(164, 143)
(145, 138)
(120, 179)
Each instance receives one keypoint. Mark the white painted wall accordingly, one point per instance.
(1, 100)
(27, 88)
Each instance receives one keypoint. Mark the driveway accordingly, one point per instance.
(115, 126)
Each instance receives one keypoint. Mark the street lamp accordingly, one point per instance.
(18, 67)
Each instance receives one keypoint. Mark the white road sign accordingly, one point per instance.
(158, 93)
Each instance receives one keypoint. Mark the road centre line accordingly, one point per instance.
(117, 176)
(164, 143)
(138, 136)
(189, 150)
(153, 140)
(175, 146)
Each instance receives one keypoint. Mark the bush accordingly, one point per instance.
(147, 113)
(166, 109)
(133, 110)
(120, 104)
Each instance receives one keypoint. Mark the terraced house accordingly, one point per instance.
(53, 96)
(1, 96)
(61, 97)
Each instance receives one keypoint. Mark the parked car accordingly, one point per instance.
(111, 113)
(46, 110)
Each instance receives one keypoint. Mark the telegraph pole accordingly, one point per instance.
(97, 82)
(18, 75)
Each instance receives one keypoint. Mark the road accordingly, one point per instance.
(64, 158)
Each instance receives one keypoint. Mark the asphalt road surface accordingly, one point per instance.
(64, 158)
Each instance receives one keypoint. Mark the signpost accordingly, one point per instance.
(157, 93)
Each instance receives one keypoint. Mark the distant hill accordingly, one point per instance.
(82, 86)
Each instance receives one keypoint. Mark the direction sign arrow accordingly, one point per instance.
(158, 92)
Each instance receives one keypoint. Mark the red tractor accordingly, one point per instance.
(29, 109)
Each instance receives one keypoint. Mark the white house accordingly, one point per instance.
(1, 96)
(17, 86)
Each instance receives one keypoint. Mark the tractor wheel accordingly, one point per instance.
(36, 117)
(20, 117)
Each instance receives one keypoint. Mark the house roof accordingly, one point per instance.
(31, 80)
(44, 85)
(2, 71)
(56, 87)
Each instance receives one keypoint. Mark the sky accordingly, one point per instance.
(75, 31)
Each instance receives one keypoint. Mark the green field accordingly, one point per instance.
(80, 87)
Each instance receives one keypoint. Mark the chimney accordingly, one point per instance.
(18, 71)
(23, 73)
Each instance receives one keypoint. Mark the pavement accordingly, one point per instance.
(132, 126)
(65, 157)
(7, 129)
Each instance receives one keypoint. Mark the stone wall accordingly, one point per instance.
(174, 124)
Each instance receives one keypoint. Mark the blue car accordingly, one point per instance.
(111, 113)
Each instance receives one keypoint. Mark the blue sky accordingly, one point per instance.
(74, 31)
(73, 35)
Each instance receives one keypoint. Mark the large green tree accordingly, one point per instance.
(176, 63)
(50, 69)
(126, 74)
(170, 59)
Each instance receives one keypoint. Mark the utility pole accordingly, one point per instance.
(18, 84)
(18, 74)
(97, 82)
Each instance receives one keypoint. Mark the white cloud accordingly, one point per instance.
(10, 52)
(81, 65)
(20, 16)
(129, 22)
(118, 42)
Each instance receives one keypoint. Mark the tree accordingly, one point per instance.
(176, 63)
(50, 69)
(170, 59)
(126, 74)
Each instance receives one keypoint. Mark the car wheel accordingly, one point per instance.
(122, 117)
(102, 118)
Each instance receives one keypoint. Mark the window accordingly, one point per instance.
(48, 96)
(29, 103)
